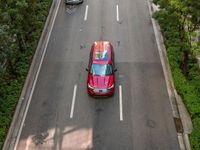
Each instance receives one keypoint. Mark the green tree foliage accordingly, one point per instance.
(21, 21)
(193, 11)
(21, 24)
(185, 14)
(5, 47)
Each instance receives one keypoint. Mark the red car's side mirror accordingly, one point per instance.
(115, 69)
(86, 69)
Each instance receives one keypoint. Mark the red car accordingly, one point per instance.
(101, 68)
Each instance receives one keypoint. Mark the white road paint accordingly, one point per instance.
(86, 13)
(120, 103)
(117, 11)
(35, 80)
(73, 101)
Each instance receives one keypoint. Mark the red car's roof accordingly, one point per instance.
(101, 52)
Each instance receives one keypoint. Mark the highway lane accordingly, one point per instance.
(147, 117)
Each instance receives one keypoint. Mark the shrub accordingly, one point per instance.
(187, 86)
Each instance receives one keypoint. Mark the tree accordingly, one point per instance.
(186, 16)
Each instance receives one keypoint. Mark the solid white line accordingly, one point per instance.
(36, 77)
(120, 103)
(73, 101)
(117, 11)
(86, 12)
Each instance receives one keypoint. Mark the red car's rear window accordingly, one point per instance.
(101, 55)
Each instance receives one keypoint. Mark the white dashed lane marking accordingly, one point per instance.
(86, 13)
(73, 101)
(120, 103)
(117, 12)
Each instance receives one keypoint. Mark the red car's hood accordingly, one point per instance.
(101, 81)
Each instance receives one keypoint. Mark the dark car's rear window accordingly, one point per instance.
(101, 69)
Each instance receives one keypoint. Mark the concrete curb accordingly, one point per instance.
(178, 108)
(22, 102)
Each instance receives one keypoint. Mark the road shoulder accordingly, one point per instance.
(181, 116)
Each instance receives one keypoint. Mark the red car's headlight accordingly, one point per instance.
(112, 86)
(89, 86)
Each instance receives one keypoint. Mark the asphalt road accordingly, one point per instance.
(94, 124)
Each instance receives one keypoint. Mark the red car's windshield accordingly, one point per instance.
(101, 69)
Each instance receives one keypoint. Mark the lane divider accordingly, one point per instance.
(120, 103)
(73, 101)
(86, 13)
(117, 12)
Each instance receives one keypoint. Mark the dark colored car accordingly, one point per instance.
(101, 69)
(73, 2)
